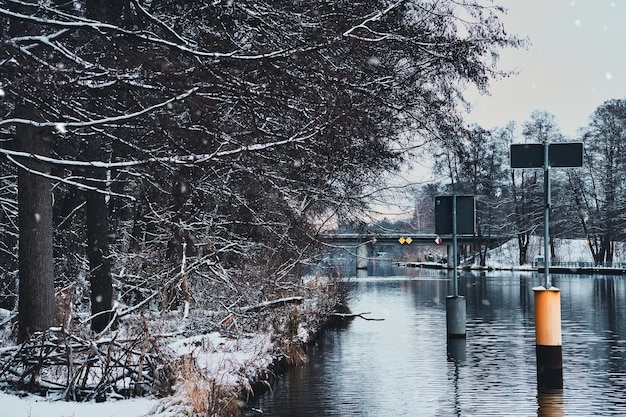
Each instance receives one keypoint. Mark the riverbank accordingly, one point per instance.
(209, 374)
(435, 265)
(229, 368)
(568, 268)
(572, 256)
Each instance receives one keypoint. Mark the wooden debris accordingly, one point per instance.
(82, 369)
(272, 304)
(351, 316)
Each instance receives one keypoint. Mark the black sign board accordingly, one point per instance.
(465, 215)
(560, 155)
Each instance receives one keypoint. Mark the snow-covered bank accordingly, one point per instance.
(213, 371)
(566, 250)
(506, 257)
(35, 406)
(212, 364)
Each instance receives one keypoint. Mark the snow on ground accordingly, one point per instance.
(230, 362)
(35, 406)
(567, 250)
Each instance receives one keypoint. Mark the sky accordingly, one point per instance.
(574, 63)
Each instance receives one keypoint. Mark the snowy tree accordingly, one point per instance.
(36, 265)
(476, 164)
(600, 193)
(226, 132)
(540, 127)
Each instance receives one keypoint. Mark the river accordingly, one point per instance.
(403, 365)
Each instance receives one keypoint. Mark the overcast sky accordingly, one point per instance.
(576, 61)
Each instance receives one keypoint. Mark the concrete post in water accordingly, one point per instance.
(456, 316)
(548, 339)
(450, 255)
(361, 256)
(446, 222)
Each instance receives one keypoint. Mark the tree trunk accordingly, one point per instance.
(522, 243)
(97, 242)
(36, 304)
(99, 265)
(97, 209)
(607, 247)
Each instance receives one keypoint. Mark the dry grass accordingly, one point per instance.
(206, 396)
(295, 353)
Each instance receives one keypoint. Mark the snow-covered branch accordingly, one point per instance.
(377, 37)
(174, 160)
(77, 22)
(103, 121)
(67, 181)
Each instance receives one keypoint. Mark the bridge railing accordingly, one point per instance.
(428, 239)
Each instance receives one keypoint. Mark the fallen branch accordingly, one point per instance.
(84, 369)
(351, 316)
(272, 304)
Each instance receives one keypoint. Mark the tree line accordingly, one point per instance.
(587, 202)
(161, 153)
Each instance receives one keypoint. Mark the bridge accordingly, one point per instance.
(364, 242)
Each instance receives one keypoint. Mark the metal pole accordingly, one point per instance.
(548, 342)
(455, 283)
(546, 215)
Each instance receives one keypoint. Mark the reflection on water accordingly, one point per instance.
(550, 405)
(403, 366)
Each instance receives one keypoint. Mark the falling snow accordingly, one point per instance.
(374, 61)
(60, 127)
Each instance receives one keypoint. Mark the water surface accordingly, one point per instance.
(404, 366)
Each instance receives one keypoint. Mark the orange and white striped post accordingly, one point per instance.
(548, 339)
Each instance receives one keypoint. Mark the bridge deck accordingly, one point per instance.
(424, 239)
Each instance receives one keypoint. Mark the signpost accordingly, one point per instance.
(455, 215)
(546, 155)
(560, 155)
(444, 213)
(548, 340)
